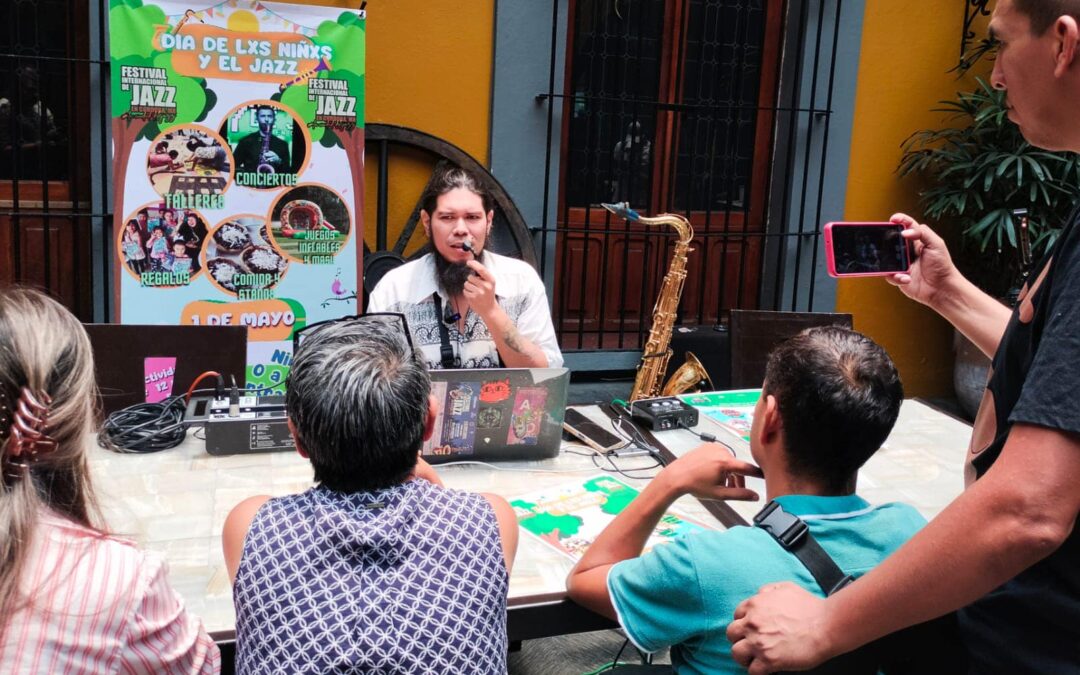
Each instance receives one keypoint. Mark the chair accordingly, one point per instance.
(755, 333)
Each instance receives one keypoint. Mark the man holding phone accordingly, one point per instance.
(1005, 553)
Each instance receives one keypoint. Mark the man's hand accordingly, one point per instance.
(479, 290)
(515, 350)
(932, 270)
(783, 627)
(710, 472)
(271, 157)
(934, 281)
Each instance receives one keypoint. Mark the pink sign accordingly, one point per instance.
(159, 372)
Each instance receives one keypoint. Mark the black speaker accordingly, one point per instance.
(710, 344)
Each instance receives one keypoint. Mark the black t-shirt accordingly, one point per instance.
(1031, 624)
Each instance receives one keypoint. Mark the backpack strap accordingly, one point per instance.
(792, 533)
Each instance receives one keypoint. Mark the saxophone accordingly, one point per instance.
(657, 353)
(264, 166)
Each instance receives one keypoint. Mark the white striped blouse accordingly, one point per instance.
(99, 605)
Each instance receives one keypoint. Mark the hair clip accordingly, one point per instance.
(26, 436)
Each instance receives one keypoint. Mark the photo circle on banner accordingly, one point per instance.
(270, 144)
(189, 160)
(310, 224)
(241, 259)
(160, 246)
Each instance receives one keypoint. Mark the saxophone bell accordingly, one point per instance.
(690, 376)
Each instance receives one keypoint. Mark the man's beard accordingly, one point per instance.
(451, 276)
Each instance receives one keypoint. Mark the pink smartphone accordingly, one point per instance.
(866, 249)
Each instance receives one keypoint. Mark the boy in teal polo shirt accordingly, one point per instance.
(830, 398)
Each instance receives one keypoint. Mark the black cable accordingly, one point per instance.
(646, 659)
(635, 438)
(145, 427)
(615, 468)
(615, 661)
(707, 437)
(151, 427)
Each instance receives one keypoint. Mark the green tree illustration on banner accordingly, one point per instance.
(133, 25)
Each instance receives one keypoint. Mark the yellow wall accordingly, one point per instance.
(907, 47)
(429, 67)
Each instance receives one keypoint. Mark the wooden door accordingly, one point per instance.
(669, 106)
(45, 165)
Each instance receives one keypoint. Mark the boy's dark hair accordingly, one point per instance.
(357, 396)
(448, 176)
(839, 395)
(1043, 13)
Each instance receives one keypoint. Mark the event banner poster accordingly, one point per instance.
(239, 160)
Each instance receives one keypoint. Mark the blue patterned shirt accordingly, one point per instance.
(410, 579)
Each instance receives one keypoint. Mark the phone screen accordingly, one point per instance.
(869, 249)
(592, 433)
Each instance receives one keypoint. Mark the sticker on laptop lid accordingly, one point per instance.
(455, 425)
(495, 391)
(527, 416)
(489, 418)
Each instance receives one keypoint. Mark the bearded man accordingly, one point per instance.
(468, 307)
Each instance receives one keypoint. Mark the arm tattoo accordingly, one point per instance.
(513, 340)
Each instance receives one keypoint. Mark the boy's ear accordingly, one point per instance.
(771, 424)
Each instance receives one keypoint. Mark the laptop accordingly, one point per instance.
(497, 414)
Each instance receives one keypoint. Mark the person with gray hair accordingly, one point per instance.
(378, 567)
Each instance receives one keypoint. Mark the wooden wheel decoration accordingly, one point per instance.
(509, 234)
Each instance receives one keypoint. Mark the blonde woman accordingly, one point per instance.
(72, 597)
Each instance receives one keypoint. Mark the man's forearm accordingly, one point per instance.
(516, 350)
(625, 537)
(974, 313)
(980, 541)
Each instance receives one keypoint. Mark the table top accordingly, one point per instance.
(175, 502)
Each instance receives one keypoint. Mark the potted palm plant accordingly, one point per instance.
(980, 173)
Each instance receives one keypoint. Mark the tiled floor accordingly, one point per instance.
(574, 654)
